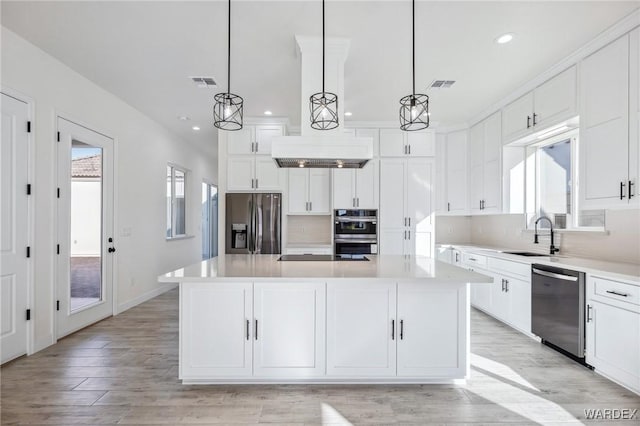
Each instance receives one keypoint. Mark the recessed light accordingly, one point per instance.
(183, 118)
(504, 38)
(196, 128)
(348, 114)
(268, 112)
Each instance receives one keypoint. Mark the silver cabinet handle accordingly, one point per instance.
(247, 329)
(401, 329)
(405, 150)
(409, 221)
(393, 329)
(502, 285)
(409, 233)
(358, 202)
(589, 318)
(409, 149)
(255, 331)
(257, 183)
(405, 221)
(473, 259)
(405, 234)
(618, 294)
(506, 286)
(554, 275)
(256, 146)
(310, 206)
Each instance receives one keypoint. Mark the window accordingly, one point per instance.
(176, 202)
(551, 188)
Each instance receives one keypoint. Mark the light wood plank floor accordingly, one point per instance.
(124, 371)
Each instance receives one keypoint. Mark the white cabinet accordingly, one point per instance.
(605, 145)
(634, 118)
(550, 103)
(426, 315)
(456, 172)
(359, 329)
(373, 134)
(356, 188)
(309, 191)
(217, 320)
(485, 166)
(397, 143)
(406, 206)
(251, 173)
(253, 139)
(519, 294)
(289, 334)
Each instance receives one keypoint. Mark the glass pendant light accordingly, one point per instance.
(324, 105)
(414, 108)
(227, 111)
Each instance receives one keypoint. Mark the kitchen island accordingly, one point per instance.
(392, 319)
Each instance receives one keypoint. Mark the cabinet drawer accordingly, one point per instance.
(616, 290)
(509, 267)
(473, 259)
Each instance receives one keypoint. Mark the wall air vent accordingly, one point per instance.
(441, 84)
(204, 82)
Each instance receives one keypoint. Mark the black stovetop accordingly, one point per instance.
(323, 257)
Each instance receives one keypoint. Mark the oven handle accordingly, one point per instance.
(554, 275)
(341, 240)
(357, 219)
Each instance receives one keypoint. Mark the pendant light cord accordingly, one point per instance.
(229, 50)
(413, 43)
(322, 46)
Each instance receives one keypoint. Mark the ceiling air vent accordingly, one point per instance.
(204, 82)
(441, 84)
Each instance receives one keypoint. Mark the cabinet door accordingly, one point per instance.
(269, 177)
(634, 118)
(213, 330)
(481, 295)
(344, 188)
(320, 190)
(289, 340)
(298, 191)
(240, 173)
(421, 144)
(392, 240)
(517, 118)
(419, 243)
(429, 314)
(371, 133)
(476, 176)
(241, 141)
(604, 124)
(492, 146)
(613, 343)
(392, 193)
(366, 185)
(264, 134)
(392, 143)
(499, 298)
(359, 341)
(519, 294)
(492, 170)
(419, 194)
(556, 99)
(456, 172)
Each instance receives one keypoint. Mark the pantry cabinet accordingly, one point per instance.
(253, 139)
(485, 166)
(398, 143)
(456, 173)
(356, 188)
(251, 173)
(309, 191)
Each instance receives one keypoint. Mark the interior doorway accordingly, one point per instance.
(209, 220)
(85, 227)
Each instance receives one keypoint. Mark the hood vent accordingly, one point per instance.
(320, 163)
(322, 152)
(441, 84)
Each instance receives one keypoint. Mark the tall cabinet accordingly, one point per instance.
(485, 166)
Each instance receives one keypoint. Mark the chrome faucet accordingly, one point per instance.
(552, 249)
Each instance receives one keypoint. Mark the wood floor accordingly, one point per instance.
(124, 371)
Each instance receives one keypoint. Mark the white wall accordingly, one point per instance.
(143, 149)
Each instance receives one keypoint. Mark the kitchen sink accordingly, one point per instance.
(525, 253)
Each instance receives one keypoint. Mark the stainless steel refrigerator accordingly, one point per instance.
(253, 223)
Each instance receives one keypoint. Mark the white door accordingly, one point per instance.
(86, 243)
(392, 241)
(517, 118)
(421, 144)
(392, 193)
(264, 135)
(216, 330)
(290, 319)
(481, 295)
(343, 188)
(359, 330)
(371, 133)
(269, 177)
(392, 143)
(556, 99)
(419, 194)
(241, 141)
(425, 316)
(366, 184)
(456, 158)
(13, 228)
(240, 173)
(298, 191)
(499, 297)
(634, 118)
(519, 295)
(320, 190)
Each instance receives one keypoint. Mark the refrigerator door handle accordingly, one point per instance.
(259, 224)
(252, 222)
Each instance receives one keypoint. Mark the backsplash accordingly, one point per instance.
(309, 229)
(620, 244)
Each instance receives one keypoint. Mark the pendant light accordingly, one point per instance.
(227, 111)
(414, 108)
(324, 105)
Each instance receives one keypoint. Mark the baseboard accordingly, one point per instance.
(144, 297)
(43, 343)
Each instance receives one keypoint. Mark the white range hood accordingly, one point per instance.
(322, 148)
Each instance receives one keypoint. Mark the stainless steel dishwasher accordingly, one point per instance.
(558, 309)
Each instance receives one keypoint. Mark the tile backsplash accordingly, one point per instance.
(621, 242)
(309, 229)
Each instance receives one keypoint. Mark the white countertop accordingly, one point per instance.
(239, 267)
(615, 270)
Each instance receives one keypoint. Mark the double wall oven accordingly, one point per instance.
(355, 232)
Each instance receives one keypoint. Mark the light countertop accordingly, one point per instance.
(240, 267)
(629, 272)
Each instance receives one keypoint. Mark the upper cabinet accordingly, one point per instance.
(356, 188)
(309, 191)
(253, 139)
(397, 143)
(485, 166)
(608, 156)
(456, 173)
(548, 104)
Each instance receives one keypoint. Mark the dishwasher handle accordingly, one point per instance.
(554, 275)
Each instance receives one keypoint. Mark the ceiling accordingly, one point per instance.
(145, 51)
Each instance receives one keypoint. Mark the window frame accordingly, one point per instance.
(172, 210)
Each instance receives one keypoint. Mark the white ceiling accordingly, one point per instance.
(144, 51)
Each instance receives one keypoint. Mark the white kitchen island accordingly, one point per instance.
(254, 319)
